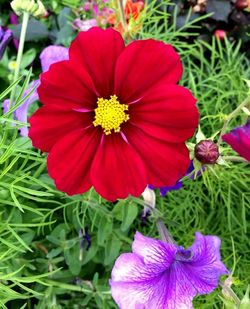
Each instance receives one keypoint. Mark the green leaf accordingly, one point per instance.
(36, 31)
(112, 250)
(130, 213)
(104, 230)
(28, 58)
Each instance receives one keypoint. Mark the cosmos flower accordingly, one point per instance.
(113, 117)
(49, 55)
(5, 37)
(239, 140)
(163, 275)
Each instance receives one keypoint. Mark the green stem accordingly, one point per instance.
(72, 287)
(164, 233)
(231, 116)
(234, 159)
(231, 293)
(19, 53)
(122, 15)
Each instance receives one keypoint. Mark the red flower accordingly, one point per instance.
(113, 117)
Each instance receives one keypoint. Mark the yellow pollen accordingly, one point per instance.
(110, 114)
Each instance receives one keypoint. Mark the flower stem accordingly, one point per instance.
(231, 116)
(231, 293)
(122, 15)
(164, 233)
(234, 159)
(72, 287)
(19, 53)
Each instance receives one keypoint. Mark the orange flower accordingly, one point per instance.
(133, 9)
(132, 12)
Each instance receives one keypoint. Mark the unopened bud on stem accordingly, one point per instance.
(206, 151)
(32, 7)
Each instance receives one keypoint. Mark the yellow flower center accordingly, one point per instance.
(110, 114)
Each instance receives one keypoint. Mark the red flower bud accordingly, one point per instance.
(241, 4)
(206, 151)
(220, 34)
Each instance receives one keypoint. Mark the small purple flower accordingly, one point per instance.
(84, 25)
(87, 6)
(239, 140)
(5, 38)
(49, 55)
(95, 9)
(162, 275)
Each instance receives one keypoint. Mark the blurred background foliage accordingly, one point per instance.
(57, 251)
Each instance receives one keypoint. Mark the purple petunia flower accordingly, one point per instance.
(160, 275)
(239, 140)
(49, 55)
(5, 38)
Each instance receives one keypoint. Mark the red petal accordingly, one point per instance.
(97, 50)
(68, 86)
(117, 169)
(143, 64)
(167, 112)
(70, 159)
(49, 124)
(165, 162)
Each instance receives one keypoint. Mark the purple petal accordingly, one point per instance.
(206, 267)
(239, 140)
(154, 251)
(165, 190)
(160, 275)
(84, 25)
(53, 54)
(21, 113)
(5, 38)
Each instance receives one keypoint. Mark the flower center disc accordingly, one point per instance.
(110, 114)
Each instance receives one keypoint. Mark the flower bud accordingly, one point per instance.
(241, 4)
(35, 8)
(206, 151)
(220, 34)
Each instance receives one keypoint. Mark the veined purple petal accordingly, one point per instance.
(160, 275)
(239, 140)
(53, 54)
(5, 38)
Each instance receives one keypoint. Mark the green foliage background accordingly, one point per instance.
(42, 264)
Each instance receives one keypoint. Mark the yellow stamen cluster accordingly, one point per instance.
(110, 114)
